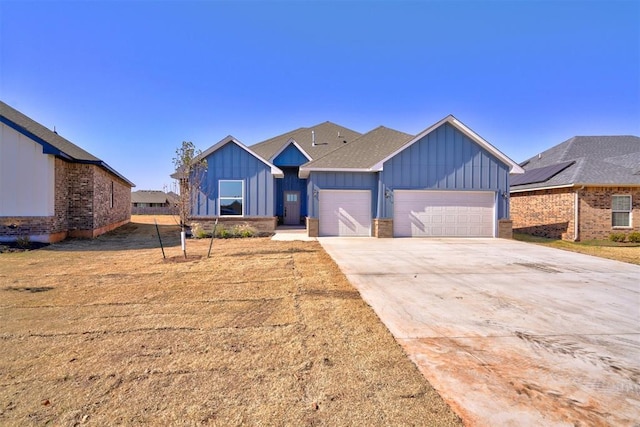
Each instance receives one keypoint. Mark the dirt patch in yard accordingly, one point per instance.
(106, 331)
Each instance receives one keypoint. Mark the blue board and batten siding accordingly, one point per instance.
(231, 162)
(445, 159)
(289, 161)
(290, 157)
(340, 181)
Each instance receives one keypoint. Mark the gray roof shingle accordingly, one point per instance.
(364, 152)
(599, 160)
(52, 142)
(153, 196)
(328, 137)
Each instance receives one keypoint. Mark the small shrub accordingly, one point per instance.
(617, 237)
(23, 242)
(202, 234)
(244, 231)
(199, 232)
(235, 231)
(634, 237)
(222, 232)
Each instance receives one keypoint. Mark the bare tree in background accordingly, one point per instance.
(190, 172)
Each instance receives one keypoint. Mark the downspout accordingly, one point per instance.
(576, 214)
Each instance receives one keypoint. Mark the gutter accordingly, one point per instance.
(576, 185)
(576, 216)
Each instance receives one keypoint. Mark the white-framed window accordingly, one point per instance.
(231, 197)
(621, 211)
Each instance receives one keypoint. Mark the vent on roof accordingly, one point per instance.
(533, 176)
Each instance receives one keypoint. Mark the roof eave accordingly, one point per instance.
(284, 147)
(304, 173)
(576, 185)
(275, 171)
(514, 168)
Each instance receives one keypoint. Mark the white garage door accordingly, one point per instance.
(345, 213)
(443, 213)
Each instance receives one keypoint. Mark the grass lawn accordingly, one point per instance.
(106, 331)
(626, 252)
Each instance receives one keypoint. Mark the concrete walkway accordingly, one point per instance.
(509, 333)
(292, 233)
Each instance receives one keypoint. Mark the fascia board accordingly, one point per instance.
(514, 167)
(550, 187)
(47, 148)
(284, 147)
(275, 171)
(304, 172)
(576, 185)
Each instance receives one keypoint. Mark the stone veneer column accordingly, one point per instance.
(505, 228)
(383, 227)
(313, 227)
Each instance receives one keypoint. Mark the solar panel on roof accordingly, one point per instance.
(534, 176)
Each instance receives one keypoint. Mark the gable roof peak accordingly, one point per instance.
(513, 166)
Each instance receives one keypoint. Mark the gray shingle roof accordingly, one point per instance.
(599, 160)
(328, 137)
(153, 196)
(365, 151)
(52, 142)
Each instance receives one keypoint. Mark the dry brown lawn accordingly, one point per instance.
(104, 331)
(626, 252)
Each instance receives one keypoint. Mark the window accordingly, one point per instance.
(111, 201)
(621, 211)
(231, 197)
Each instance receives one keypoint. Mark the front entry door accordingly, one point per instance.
(291, 208)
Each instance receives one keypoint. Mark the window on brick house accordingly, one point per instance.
(111, 196)
(621, 211)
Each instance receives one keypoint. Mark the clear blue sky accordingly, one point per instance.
(129, 81)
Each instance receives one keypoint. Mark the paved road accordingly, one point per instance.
(509, 333)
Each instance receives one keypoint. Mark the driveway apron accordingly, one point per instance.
(509, 333)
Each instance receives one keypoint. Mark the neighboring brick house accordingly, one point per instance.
(51, 189)
(582, 189)
(154, 202)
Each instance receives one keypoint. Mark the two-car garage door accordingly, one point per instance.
(416, 213)
(443, 213)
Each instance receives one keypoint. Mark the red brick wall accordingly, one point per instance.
(80, 200)
(595, 212)
(47, 228)
(550, 213)
(545, 213)
(82, 206)
(103, 213)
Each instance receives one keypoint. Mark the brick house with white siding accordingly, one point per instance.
(585, 188)
(51, 189)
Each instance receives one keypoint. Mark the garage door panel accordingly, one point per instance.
(443, 213)
(345, 213)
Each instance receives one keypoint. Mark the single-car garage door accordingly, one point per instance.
(443, 213)
(345, 213)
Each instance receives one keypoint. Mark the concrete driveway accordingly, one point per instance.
(509, 333)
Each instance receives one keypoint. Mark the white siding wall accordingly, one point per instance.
(27, 176)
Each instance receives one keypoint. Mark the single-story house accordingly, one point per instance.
(445, 181)
(51, 189)
(154, 202)
(582, 189)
